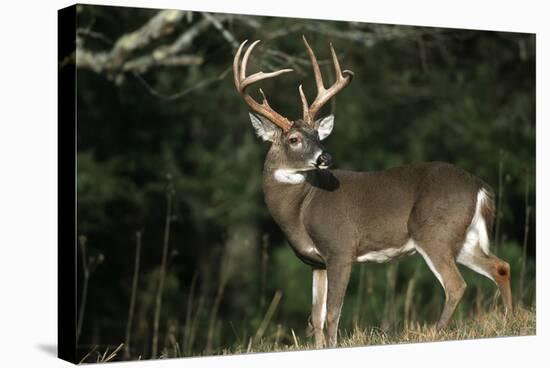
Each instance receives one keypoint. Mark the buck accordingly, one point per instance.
(335, 218)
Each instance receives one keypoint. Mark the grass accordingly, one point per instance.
(96, 357)
(366, 321)
(492, 323)
(403, 309)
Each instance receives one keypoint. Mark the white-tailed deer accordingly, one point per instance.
(335, 218)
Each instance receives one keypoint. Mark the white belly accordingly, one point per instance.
(388, 254)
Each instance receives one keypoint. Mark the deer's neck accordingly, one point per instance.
(285, 192)
(288, 196)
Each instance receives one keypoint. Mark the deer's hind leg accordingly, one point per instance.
(442, 263)
(491, 267)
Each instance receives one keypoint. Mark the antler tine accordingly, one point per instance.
(236, 73)
(337, 71)
(244, 62)
(323, 95)
(315, 65)
(256, 77)
(242, 82)
(264, 99)
(305, 106)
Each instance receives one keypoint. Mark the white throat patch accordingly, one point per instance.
(289, 176)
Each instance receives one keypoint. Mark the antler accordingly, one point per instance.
(242, 82)
(323, 95)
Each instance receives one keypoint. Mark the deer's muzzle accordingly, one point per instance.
(324, 160)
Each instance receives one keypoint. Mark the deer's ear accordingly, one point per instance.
(324, 126)
(264, 128)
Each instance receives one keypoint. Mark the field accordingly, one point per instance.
(390, 303)
(493, 323)
(490, 324)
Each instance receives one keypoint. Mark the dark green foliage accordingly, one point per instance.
(419, 94)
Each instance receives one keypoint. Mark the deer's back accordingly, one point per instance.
(382, 209)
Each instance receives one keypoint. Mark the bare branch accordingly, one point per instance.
(93, 34)
(174, 96)
(121, 58)
(160, 25)
(96, 62)
(283, 32)
(184, 41)
(160, 57)
(247, 20)
(219, 26)
(368, 34)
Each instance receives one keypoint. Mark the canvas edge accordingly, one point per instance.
(66, 160)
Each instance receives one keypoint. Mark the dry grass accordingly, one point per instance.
(491, 324)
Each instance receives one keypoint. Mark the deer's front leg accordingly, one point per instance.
(338, 274)
(319, 305)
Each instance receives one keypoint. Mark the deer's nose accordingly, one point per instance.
(324, 159)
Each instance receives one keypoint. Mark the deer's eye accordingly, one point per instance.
(293, 140)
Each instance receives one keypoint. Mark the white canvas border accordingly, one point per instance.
(28, 240)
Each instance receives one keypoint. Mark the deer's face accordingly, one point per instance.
(300, 148)
(296, 146)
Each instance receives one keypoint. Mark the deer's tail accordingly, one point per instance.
(484, 216)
